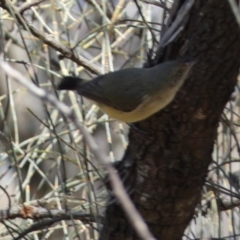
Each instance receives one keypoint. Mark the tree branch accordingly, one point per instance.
(49, 39)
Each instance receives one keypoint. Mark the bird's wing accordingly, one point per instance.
(94, 90)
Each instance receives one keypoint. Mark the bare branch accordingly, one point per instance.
(156, 3)
(50, 40)
(40, 213)
(28, 5)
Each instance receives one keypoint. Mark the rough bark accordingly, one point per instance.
(169, 170)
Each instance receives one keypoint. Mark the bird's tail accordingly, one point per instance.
(70, 83)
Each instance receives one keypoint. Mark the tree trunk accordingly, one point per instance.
(169, 169)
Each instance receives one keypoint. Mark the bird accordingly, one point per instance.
(133, 94)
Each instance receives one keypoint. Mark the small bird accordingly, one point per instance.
(134, 94)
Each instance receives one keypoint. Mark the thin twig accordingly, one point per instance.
(50, 40)
(28, 5)
(156, 3)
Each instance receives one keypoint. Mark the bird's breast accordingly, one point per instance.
(149, 106)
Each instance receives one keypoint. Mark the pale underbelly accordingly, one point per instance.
(145, 110)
